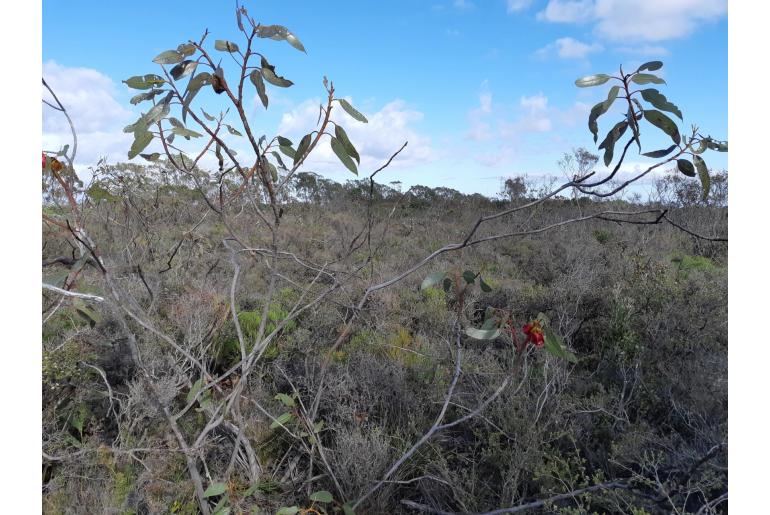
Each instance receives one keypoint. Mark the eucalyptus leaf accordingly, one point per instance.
(647, 78)
(304, 144)
(349, 148)
(186, 133)
(183, 69)
(685, 167)
(215, 489)
(592, 80)
(659, 101)
(482, 334)
(256, 79)
(703, 174)
(225, 46)
(186, 49)
(599, 109)
(268, 72)
(608, 144)
(664, 123)
(168, 57)
(339, 151)
(660, 153)
(469, 277)
(321, 496)
(285, 400)
(141, 97)
(281, 420)
(288, 510)
(484, 286)
(288, 151)
(142, 138)
(352, 111)
(650, 66)
(233, 130)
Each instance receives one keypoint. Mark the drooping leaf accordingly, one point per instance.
(555, 346)
(482, 334)
(304, 144)
(599, 109)
(660, 153)
(225, 46)
(207, 115)
(664, 123)
(446, 284)
(285, 400)
(288, 510)
(339, 151)
(284, 142)
(280, 33)
(719, 146)
(432, 280)
(196, 387)
(157, 112)
(256, 79)
(321, 496)
(193, 87)
(685, 167)
(659, 101)
(283, 419)
(349, 148)
(703, 174)
(168, 57)
(183, 69)
(592, 80)
(215, 489)
(608, 144)
(268, 72)
(347, 509)
(352, 111)
(142, 138)
(647, 78)
(469, 277)
(484, 286)
(650, 66)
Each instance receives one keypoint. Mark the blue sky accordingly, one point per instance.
(482, 90)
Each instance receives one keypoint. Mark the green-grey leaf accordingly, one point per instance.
(288, 510)
(555, 346)
(186, 133)
(432, 280)
(592, 80)
(484, 286)
(647, 78)
(685, 167)
(660, 153)
(256, 79)
(469, 277)
(657, 99)
(285, 399)
(608, 144)
(703, 173)
(186, 49)
(347, 509)
(288, 151)
(158, 112)
(144, 81)
(142, 138)
(207, 115)
(349, 148)
(215, 489)
(141, 97)
(151, 157)
(339, 151)
(225, 46)
(233, 131)
(282, 420)
(599, 109)
(664, 123)
(482, 334)
(650, 66)
(321, 496)
(168, 57)
(183, 69)
(284, 142)
(193, 86)
(304, 144)
(268, 72)
(352, 111)
(194, 390)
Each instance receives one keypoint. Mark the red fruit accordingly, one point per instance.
(534, 333)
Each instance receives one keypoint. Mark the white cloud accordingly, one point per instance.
(518, 5)
(89, 97)
(463, 4)
(569, 48)
(567, 11)
(644, 50)
(534, 103)
(480, 129)
(636, 20)
(375, 141)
